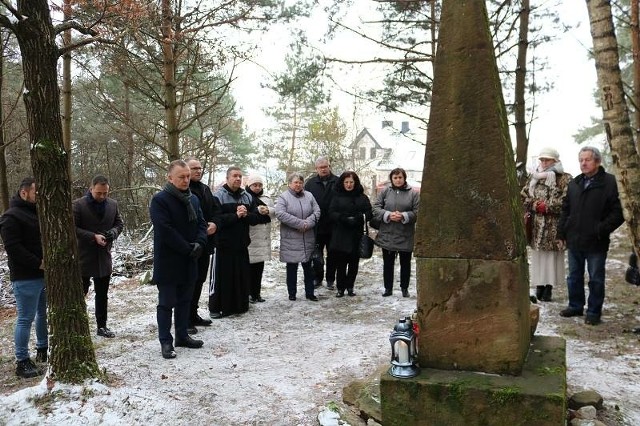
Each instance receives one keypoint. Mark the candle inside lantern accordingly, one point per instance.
(402, 350)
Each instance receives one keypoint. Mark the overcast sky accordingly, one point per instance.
(560, 112)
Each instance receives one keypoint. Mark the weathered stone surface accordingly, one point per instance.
(462, 398)
(584, 398)
(469, 202)
(473, 314)
(364, 394)
(534, 317)
(588, 413)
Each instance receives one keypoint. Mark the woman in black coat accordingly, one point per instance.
(348, 210)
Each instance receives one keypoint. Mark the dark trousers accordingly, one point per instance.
(292, 278)
(322, 241)
(176, 298)
(101, 287)
(389, 261)
(595, 263)
(203, 268)
(346, 269)
(255, 272)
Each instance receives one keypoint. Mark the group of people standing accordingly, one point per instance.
(577, 215)
(97, 223)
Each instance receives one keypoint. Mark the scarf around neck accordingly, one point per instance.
(184, 197)
(548, 174)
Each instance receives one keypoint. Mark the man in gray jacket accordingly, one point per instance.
(98, 224)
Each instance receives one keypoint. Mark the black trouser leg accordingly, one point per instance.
(388, 265)
(255, 272)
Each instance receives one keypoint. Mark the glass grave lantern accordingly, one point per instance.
(404, 350)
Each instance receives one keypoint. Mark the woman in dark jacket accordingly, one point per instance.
(347, 212)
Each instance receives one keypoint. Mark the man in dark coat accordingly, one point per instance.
(21, 236)
(98, 224)
(203, 192)
(234, 211)
(179, 238)
(322, 187)
(591, 211)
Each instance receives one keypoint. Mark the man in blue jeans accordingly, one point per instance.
(591, 211)
(21, 235)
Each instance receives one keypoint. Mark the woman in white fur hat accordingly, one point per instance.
(542, 196)
(260, 234)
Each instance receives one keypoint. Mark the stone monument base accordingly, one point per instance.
(447, 397)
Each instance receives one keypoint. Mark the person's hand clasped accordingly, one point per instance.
(100, 239)
(241, 211)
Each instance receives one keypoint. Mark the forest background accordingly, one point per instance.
(122, 88)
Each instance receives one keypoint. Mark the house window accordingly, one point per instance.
(372, 153)
(363, 153)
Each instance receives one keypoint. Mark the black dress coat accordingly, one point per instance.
(347, 213)
(172, 238)
(95, 260)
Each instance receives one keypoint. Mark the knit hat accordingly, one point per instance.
(549, 152)
(254, 179)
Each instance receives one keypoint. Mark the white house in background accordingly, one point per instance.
(377, 152)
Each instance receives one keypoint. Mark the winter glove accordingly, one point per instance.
(196, 250)
(541, 207)
(110, 235)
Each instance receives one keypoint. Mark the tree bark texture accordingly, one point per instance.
(635, 48)
(615, 113)
(522, 139)
(170, 102)
(66, 84)
(4, 187)
(72, 357)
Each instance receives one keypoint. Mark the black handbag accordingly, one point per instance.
(365, 248)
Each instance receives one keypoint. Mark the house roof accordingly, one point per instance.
(364, 132)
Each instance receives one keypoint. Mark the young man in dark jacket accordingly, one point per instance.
(591, 211)
(21, 236)
(322, 187)
(98, 224)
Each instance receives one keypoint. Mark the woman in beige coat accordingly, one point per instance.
(260, 234)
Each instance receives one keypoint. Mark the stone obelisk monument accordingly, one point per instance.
(473, 291)
(472, 271)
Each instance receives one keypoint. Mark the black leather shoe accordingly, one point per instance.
(386, 293)
(260, 299)
(292, 298)
(330, 285)
(215, 315)
(105, 332)
(340, 293)
(312, 298)
(405, 292)
(192, 330)
(568, 312)
(636, 330)
(189, 343)
(253, 300)
(350, 292)
(592, 320)
(201, 321)
(167, 351)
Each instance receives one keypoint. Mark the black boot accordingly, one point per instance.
(539, 291)
(41, 354)
(546, 294)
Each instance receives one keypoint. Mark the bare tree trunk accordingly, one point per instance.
(615, 113)
(170, 81)
(66, 84)
(635, 46)
(293, 136)
(522, 141)
(72, 356)
(4, 187)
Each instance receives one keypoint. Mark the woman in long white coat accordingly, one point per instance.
(260, 234)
